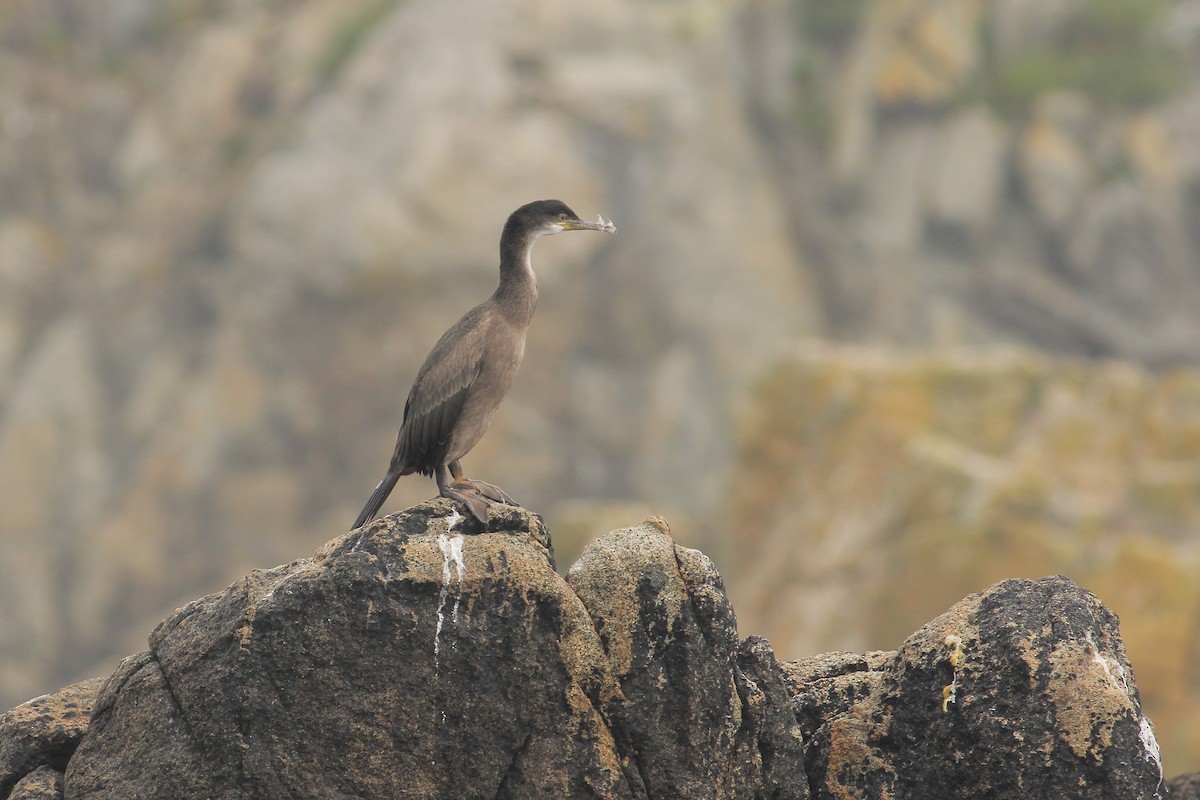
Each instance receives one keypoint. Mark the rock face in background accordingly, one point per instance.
(985, 464)
(229, 234)
(427, 656)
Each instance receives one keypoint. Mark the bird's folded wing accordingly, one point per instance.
(439, 393)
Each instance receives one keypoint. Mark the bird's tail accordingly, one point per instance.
(377, 497)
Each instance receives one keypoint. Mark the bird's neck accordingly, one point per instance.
(517, 293)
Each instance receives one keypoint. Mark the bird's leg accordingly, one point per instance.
(471, 497)
(488, 490)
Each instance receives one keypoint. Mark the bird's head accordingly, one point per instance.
(545, 217)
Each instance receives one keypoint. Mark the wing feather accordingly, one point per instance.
(438, 394)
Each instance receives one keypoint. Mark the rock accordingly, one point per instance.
(1021, 26)
(967, 172)
(1023, 690)
(1151, 151)
(428, 655)
(141, 742)
(698, 714)
(929, 52)
(27, 252)
(407, 659)
(1181, 120)
(403, 660)
(829, 684)
(1054, 168)
(1184, 787)
(579, 522)
(44, 733)
(770, 751)
(1116, 253)
(44, 783)
(891, 224)
(52, 478)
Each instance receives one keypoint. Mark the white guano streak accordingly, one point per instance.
(452, 554)
(1150, 744)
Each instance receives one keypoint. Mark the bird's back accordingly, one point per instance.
(456, 391)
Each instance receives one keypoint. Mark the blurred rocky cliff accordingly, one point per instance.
(229, 232)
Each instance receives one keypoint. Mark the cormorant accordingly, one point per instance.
(470, 369)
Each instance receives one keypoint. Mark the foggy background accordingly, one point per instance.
(905, 299)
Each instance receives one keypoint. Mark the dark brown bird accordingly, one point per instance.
(470, 369)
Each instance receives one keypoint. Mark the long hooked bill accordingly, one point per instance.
(600, 224)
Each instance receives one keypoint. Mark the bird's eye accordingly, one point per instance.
(562, 216)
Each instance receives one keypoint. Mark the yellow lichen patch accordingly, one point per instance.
(949, 694)
(851, 754)
(1031, 654)
(930, 50)
(1149, 146)
(956, 658)
(1087, 695)
(957, 655)
(948, 634)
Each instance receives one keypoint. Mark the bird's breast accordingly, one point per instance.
(506, 348)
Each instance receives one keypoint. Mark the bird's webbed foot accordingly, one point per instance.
(475, 495)
(491, 492)
(467, 494)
